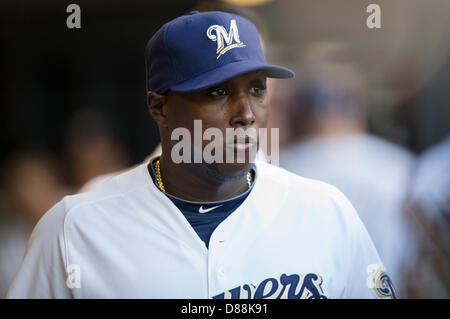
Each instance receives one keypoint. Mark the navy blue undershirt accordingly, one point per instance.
(203, 220)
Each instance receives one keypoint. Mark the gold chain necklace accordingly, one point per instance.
(161, 185)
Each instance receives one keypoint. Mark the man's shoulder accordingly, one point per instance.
(306, 199)
(109, 196)
(300, 193)
(280, 177)
(115, 185)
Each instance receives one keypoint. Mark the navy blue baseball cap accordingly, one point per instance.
(203, 49)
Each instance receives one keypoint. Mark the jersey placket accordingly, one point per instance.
(219, 246)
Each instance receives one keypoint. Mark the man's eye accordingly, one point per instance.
(218, 92)
(258, 91)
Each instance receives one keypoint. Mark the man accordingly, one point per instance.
(183, 229)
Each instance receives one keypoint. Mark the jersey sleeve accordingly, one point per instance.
(42, 273)
(367, 277)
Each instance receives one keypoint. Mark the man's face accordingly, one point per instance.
(241, 102)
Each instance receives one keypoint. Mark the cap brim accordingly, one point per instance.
(229, 71)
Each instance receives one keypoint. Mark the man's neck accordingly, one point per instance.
(194, 183)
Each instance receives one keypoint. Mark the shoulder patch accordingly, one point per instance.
(381, 284)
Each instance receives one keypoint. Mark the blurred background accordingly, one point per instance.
(368, 111)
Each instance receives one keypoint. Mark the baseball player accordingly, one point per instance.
(169, 229)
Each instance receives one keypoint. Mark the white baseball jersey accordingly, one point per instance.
(291, 238)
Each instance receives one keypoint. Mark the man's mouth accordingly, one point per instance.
(242, 144)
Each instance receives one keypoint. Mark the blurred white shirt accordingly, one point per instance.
(431, 190)
(431, 186)
(374, 174)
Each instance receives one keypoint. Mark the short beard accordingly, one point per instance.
(214, 172)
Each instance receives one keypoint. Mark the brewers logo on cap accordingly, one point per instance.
(221, 35)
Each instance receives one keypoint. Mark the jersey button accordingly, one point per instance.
(221, 272)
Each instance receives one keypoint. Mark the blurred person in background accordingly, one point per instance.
(31, 185)
(429, 208)
(92, 148)
(283, 105)
(335, 147)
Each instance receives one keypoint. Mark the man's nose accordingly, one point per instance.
(242, 112)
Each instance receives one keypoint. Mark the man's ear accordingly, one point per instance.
(155, 104)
